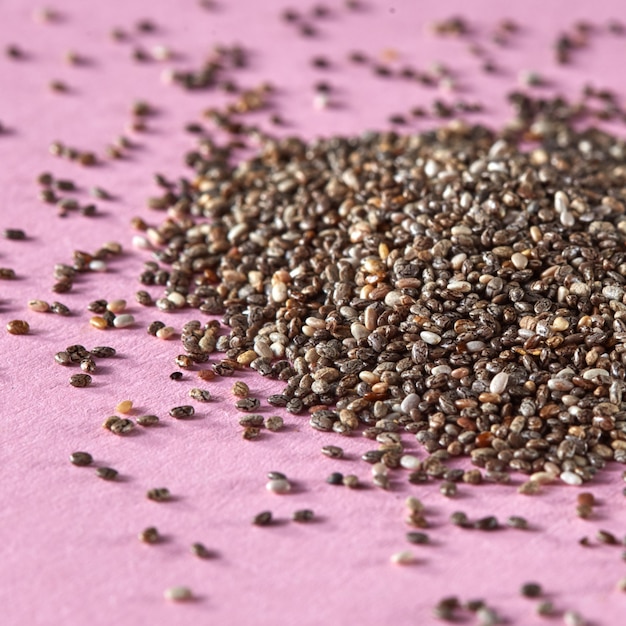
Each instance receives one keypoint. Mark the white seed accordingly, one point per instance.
(141, 243)
(431, 339)
(40, 306)
(519, 261)
(116, 306)
(177, 299)
(359, 331)
(459, 285)
(499, 382)
(409, 403)
(97, 266)
(571, 478)
(572, 618)
(178, 594)
(122, 321)
(561, 202)
(405, 557)
(161, 53)
(279, 292)
(410, 462)
(166, 332)
(593, 372)
(278, 485)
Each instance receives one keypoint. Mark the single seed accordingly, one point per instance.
(586, 499)
(417, 537)
(150, 535)
(240, 389)
(58, 308)
(334, 452)
(123, 321)
(103, 352)
(18, 327)
(165, 333)
(405, 557)
(98, 322)
(40, 306)
(248, 404)
(80, 380)
(278, 485)
(545, 608)
(200, 550)
(160, 494)
(274, 423)
(125, 406)
(182, 412)
(531, 590)
(106, 473)
(302, 515)
(81, 459)
(335, 479)
(514, 521)
(486, 523)
(262, 519)
(178, 594)
(176, 376)
(14, 234)
(147, 420)
(448, 489)
(350, 481)
(604, 536)
(459, 518)
(88, 365)
(200, 395)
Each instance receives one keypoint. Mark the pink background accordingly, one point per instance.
(70, 553)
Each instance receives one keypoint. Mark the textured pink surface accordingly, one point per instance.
(70, 550)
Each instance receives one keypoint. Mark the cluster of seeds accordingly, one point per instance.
(445, 284)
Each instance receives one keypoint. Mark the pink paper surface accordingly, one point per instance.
(70, 549)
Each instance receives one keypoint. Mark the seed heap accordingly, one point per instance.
(447, 284)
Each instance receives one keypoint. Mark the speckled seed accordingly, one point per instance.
(486, 523)
(251, 419)
(334, 452)
(350, 481)
(123, 321)
(81, 459)
(80, 380)
(274, 423)
(447, 489)
(147, 420)
(182, 412)
(240, 389)
(404, 557)
(125, 406)
(106, 473)
(459, 518)
(118, 425)
(149, 535)
(247, 404)
(279, 486)
(63, 358)
(160, 494)
(18, 327)
(103, 352)
(262, 519)
(39, 306)
(200, 395)
(302, 515)
(178, 594)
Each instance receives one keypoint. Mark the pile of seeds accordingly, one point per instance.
(447, 284)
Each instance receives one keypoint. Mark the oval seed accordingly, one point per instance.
(178, 594)
(147, 420)
(262, 519)
(274, 423)
(405, 557)
(116, 306)
(18, 327)
(80, 380)
(302, 515)
(531, 590)
(182, 412)
(240, 389)
(248, 404)
(200, 395)
(125, 406)
(334, 452)
(149, 535)
(279, 486)
(106, 473)
(123, 321)
(160, 494)
(39, 306)
(81, 459)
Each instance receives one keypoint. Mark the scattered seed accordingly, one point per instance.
(302, 515)
(335, 479)
(240, 389)
(80, 380)
(150, 535)
(405, 557)
(531, 590)
(200, 395)
(274, 423)
(182, 412)
(263, 519)
(178, 594)
(18, 327)
(248, 404)
(106, 473)
(81, 459)
(334, 452)
(200, 550)
(160, 494)
(278, 485)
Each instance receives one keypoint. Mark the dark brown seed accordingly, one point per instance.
(182, 412)
(160, 494)
(107, 473)
(486, 523)
(460, 519)
(18, 327)
(176, 376)
(14, 234)
(103, 352)
(80, 380)
(262, 519)
(6, 273)
(59, 309)
(150, 535)
(417, 537)
(302, 515)
(604, 536)
(531, 590)
(201, 551)
(81, 459)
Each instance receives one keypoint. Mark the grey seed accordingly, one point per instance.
(81, 459)
(182, 412)
(486, 523)
(417, 537)
(147, 420)
(150, 535)
(253, 419)
(544, 608)
(160, 494)
(514, 521)
(302, 515)
(335, 479)
(106, 473)
(80, 380)
(334, 452)
(448, 489)
(62, 358)
(200, 395)
(459, 518)
(273, 475)
(247, 404)
(262, 519)
(103, 352)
